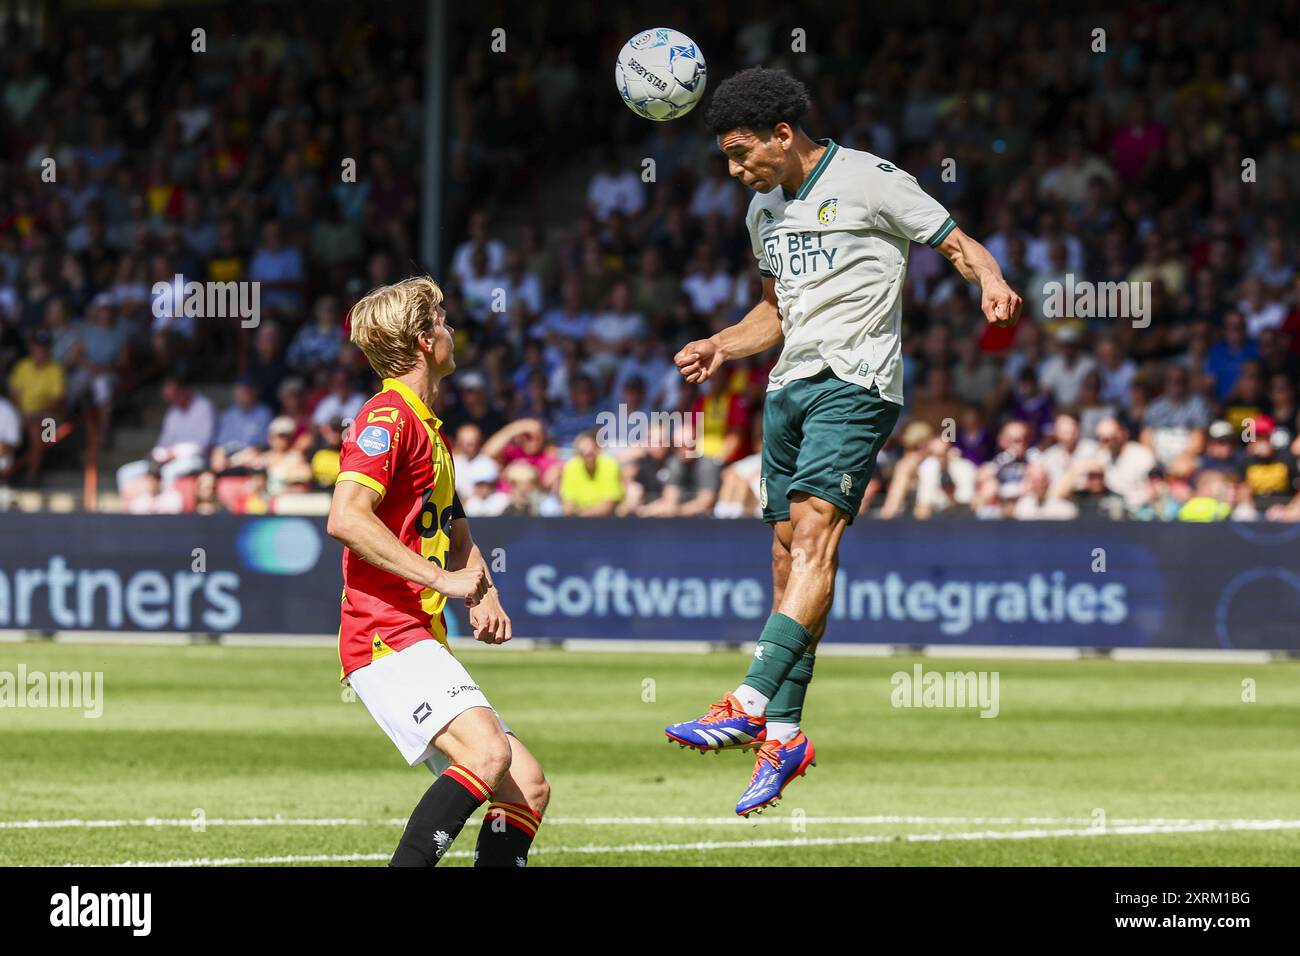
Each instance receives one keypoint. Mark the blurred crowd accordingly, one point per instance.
(1171, 160)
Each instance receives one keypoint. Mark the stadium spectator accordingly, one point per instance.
(206, 501)
(1091, 408)
(1068, 447)
(11, 436)
(241, 429)
(1229, 354)
(317, 344)
(153, 498)
(708, 285)
(1036, 502)
(615, 187)
(291, 404)
(975, 377)
(691, 488)
(1125, 467)
(945, 481)
(741, 484)
(579, 414)
(188, 427)
(323, 455)
(614, 329)
(1270, 470)
(469, 457)
(484, 500)
(38, 386)
(525, 441)
(646, 471)
(1175, 422)
(1063, 372)
(527, 500)
(934, 402)
(280, 270)
(1031, 404)
(341, 402)
(474, 407)
(1010, 463)
(590, 483)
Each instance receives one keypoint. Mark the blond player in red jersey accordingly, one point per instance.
(407, 551)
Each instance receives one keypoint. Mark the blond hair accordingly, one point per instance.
(387, 320)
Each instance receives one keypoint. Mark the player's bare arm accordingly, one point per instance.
(489, 620)
(758, 331)
(352, 521)
(998, 301)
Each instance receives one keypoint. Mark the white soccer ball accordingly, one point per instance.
(660, 74)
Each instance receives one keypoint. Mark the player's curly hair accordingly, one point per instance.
(756, 99)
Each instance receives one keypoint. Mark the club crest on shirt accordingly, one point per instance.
(374, 440)
(828, 211)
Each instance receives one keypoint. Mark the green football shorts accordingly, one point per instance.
(821, 436)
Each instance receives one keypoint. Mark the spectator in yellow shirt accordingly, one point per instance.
(591, 483)
(37, 386)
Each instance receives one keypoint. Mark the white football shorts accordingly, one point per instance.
(413, 694)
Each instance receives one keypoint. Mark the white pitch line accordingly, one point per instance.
(191, 822)
(776, 820)
(711, 845)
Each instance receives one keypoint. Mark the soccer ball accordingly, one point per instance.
(660, 74)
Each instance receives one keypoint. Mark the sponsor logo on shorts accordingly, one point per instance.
(762, 492)
(374, 440)
(456, 691)
(421, 713)
(846, 484)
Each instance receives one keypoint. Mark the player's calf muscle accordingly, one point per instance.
(814, 546)
(780, 569)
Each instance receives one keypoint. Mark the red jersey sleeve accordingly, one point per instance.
(371, 452)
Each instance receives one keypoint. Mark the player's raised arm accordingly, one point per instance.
(998, 301)
(758, 331)
(489, 620)
(353, 521)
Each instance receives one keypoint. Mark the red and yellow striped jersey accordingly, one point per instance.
(396, 448)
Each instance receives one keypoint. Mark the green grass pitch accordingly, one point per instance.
(253, 755)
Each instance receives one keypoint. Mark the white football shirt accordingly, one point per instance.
(838, 251)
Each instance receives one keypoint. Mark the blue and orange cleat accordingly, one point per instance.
(778, 763)
(726, 725)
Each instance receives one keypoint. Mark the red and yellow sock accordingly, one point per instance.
(439, 817)
(506, 835)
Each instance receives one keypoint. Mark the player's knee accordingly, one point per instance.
(492, 758)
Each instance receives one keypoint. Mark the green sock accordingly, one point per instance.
(786, 706)
(780, 646)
